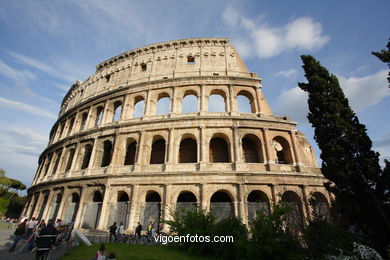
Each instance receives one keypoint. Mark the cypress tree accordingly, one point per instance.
(348, 161)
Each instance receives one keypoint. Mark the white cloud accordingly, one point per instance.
(366, 91)
(301, 34)
(362, 93)
(41, 66)
(287, 73)
(26, 108)
(20, 77)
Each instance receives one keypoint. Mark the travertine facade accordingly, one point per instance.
(113, 156)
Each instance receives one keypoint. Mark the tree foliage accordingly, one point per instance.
(10, 202)
(384, 55)
(347, 159)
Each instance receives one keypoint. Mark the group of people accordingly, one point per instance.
(116, 231)
(40, 235)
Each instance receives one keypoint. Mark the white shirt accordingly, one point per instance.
(32, 224)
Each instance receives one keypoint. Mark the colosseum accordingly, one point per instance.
(144, 136)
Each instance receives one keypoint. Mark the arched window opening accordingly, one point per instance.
(87, 156)
(99, 116)
(186, 201)
(219, 150)
(221, 205)
(61, 131)
(158, 152)
(92, 211)
(188, 151)
(251, 148)
(130, 153)
(43, 207)
(122, 196)
(295, 216)
(163, 104)
(189, 104)
(70, 159)
(71, 209)
(117, 111)
(107, 153)
(320, 205)
(257, 202)
(70, 127)
(54, 207)
(282, 151)
(245, 102)
(139, 107)
(50, 156)
(57, 162)
(152, 211)
(75, 198)
(84, 118)
(216, 103)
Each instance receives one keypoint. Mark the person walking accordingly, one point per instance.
(19, 232)
(113, 231)
(138, 230)
(119, 230)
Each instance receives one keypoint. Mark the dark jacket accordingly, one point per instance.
(46, 238)
(20, 230)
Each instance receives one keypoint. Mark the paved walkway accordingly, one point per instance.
(6, 242)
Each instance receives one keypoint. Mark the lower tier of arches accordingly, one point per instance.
(98, 203)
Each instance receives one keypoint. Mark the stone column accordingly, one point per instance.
(174, 103)
(134, 209)
(268, 148)
(242, 212)
(203, 149)
(170, 151)
(126, 108)
(93, 155)
(295, 148)
(203, 100)
(167, 202)
(148, 104)
(275, 199)
(105, 210)
(306, 205)
(233, 100)
(82, 203)
(203, 196)
(64, 199)
(258, 101)
(48, 205)
(139, 151)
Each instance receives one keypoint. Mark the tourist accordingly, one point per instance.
(138, 230)
(19, 232)
(58, 224)
(113, 231)
(119, 230)
(46, 239)
(30, 227)
(101, 253)
(42, 224)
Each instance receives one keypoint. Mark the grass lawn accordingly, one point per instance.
(133, 252)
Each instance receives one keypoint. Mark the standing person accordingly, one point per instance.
(149, 229)
(119, 230)
(46, 239)
(153, 229)
(113, 231)
(42, 224)
(58, 224)
(30, 227)
(19, 232)
(138, 230)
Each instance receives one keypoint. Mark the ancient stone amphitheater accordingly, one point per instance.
(145, 135)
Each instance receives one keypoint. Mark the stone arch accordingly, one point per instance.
(217, 101)
(188, 150)
(92, 211)
(295, 219)
(320, 205)
(117, 108)
(86, 156)
(44, 204)
(163, 104)
(245, 102)
(139, 106)
(119, 210)
(72, 208)
(282, 151)
(186, 201)
(84, 118)
(219, 149)
(107, 153)
(189, 102)
(152, 211)
(99, 116)
(55, 206)
(131, 150)
(252, 149)
(157, 155)
(257, 201)
(69, 159)
(221, 204)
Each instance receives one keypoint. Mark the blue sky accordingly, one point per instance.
(45, 46)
